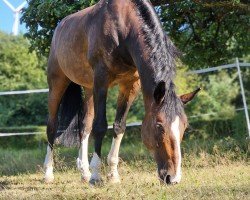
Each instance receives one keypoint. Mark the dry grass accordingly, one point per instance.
(218, 169)
(138, 182)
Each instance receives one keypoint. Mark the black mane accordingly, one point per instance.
(162, 57)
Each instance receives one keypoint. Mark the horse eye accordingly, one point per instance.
(158, 125)
(160, 128)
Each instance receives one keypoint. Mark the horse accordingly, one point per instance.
(114, 42)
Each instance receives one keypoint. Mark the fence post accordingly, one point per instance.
(243, 96)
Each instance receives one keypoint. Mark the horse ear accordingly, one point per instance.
(159, 92)
(185, 98)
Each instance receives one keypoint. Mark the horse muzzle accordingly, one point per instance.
(168, 179)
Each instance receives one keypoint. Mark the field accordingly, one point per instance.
(218, 169)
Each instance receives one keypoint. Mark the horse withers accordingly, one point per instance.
(115, 42)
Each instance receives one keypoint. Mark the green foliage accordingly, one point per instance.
(208, 32)
(21, 70)
(216, 98)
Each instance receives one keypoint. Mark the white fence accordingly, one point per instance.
(237, 65)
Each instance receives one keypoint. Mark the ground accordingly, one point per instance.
(138, 182)
(212, 169)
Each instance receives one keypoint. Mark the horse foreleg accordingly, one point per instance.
(127, 94)
(82, 160)
(100, 124)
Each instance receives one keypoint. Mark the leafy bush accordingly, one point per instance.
(216, 99)
(21, 70)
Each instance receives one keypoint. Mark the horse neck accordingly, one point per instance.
(151, 74)
(151, 71)
(151, 57)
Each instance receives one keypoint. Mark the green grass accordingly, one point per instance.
(213, 168)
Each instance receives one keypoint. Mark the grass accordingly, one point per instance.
(220, 182)
(212, 169)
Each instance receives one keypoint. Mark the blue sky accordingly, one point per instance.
(6, 16)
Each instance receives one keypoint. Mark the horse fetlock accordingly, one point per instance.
(84, 169)
(82, 165)
(86, 178)
(49, 176)
(113, 177)
(95, 177)
(49, 179)
(95, 163)
(95, 167)
(112, 161)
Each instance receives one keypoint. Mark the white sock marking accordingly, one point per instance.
(48, 165)
(95, 166)
(113, 156)
(176, 132)
(82, 160)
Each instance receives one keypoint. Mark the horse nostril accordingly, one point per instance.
(167, 179)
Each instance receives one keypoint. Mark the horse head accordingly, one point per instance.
(163, 129)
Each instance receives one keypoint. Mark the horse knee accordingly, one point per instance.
(119, 128)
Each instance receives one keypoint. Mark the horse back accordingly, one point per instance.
(97, 32)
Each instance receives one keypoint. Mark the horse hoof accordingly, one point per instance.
(85, 179)
(95, 182)
(49, 179)
(114, 179)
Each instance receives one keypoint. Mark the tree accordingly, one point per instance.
(207, 32)
(20, 70)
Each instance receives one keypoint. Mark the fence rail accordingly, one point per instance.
(38, 133)
(17, 134)
(23, 92)
(237, 65)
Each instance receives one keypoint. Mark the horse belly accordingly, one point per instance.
(77, 69)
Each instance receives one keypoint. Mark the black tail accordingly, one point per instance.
(70, 116)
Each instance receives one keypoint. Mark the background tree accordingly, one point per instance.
(20, 70)
(207, 32)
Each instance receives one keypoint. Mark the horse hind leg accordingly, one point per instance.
(82, 160)
(58, 83)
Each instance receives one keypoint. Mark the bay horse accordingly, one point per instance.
(114, 42)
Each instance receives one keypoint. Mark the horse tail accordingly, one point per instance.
(70, 116)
